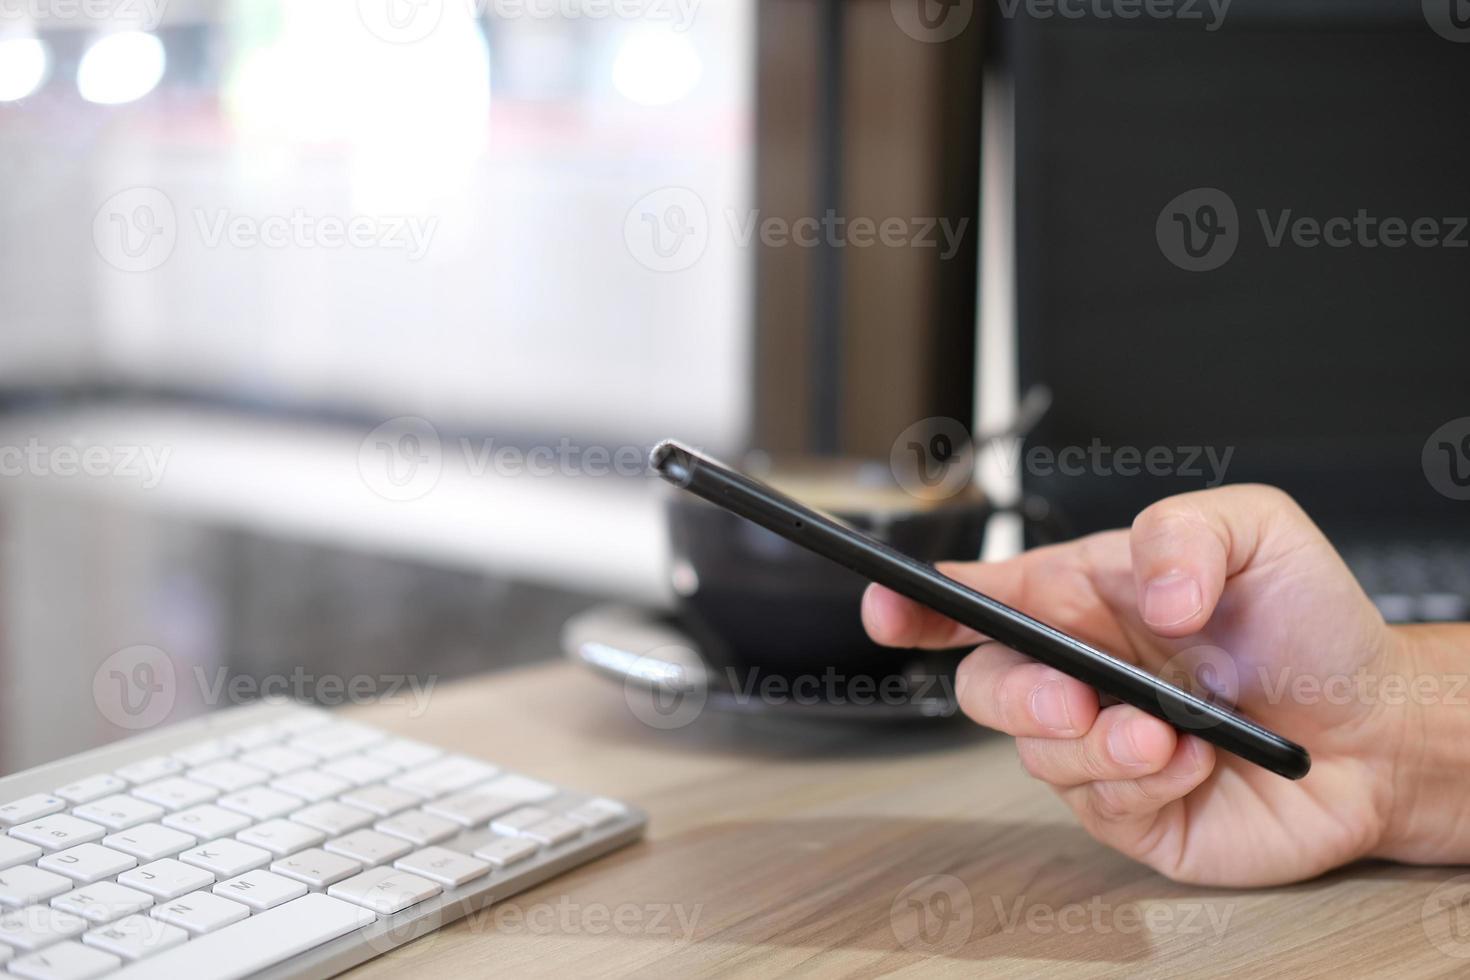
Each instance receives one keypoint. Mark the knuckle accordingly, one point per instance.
(1109, 802)
(1032, 758)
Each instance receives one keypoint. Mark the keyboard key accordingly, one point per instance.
(449, 868)
(226, 858)
(254, 737)
(309, 784)
(471, 807)
(404, 753)
(228, 776)
(118, 812)
(522, 789)
(135, 936)
(58, 831)
(278, 760)
(258, 943)
(336, 740)
(91, 788)
(102, 902)
(261, 803)
(418, 827)
(369, 847)
(303, 721)
(260, 890)
(13, 852)
(557, 830)
(148, 770)
(166, 879)
(150, 841)
(519, 820)
(26, 885)
(507, 850)
(316, 868)
(333, 819)
(175, 793)
(203, 753)
(35, 926)
(445, 776)
(206, 822)
(200, 912)
(385, 890)
(359, 770)
(65, 961)
(87, 862)
(29, 808)
(597, 812)
(384, 801)
(281, 837)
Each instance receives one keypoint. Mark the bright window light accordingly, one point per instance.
(656, 67)
(121, 67)
(23, 64)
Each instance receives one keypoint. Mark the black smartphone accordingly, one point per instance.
(879, 563)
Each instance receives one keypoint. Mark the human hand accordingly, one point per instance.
(1238, 575)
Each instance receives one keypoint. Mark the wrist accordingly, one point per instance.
(1424, 743)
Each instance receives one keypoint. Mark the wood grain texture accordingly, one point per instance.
(776, 848)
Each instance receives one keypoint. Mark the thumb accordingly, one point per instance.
(1184, 549)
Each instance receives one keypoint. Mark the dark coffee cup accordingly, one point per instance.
(759, 605)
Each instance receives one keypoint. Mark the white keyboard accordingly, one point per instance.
(273, 841)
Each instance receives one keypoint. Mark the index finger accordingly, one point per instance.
(893, 620)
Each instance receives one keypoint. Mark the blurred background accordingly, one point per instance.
(333, 336)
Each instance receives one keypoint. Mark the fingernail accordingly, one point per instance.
(1049, 705)
(1171, 599)
(1121, 745)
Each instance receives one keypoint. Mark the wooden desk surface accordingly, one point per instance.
(775, 848)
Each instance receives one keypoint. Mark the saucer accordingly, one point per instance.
(647, 651)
